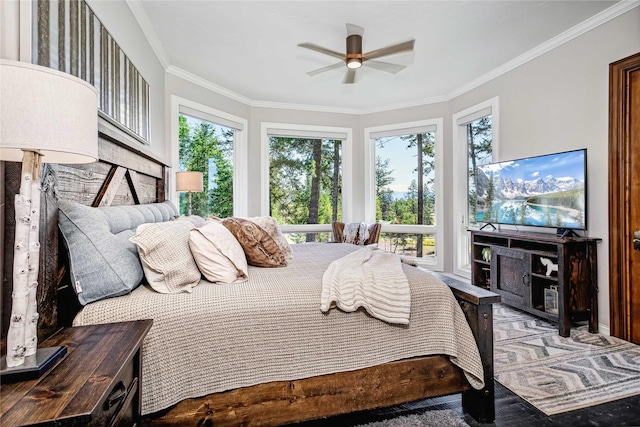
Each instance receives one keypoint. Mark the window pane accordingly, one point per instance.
(479, 152)
(208, 148)
(305, 181)
(407, 244)
(479, 138)
(405, 174)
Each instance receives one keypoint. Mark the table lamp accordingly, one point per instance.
(46, 116)
(189, 181)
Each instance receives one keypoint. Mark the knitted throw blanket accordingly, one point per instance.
(368, 278)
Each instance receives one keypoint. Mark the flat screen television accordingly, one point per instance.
(542, 191)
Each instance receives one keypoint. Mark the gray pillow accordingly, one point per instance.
(103, 262)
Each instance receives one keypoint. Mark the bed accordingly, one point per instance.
(250, 380)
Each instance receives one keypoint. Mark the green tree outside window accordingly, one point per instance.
(207, 148)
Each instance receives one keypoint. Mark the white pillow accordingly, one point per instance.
(270, 225)
(165, 256)
(218, 254)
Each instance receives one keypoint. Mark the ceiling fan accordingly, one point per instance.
(354, 58)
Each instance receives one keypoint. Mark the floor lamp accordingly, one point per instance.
(46, 116)
(189, 181)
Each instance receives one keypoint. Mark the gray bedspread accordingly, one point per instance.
(270, 328)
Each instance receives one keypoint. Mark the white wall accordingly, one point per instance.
(121, 24)
(558, 102)
(123, 27)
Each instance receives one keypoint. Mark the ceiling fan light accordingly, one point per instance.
(354, 63)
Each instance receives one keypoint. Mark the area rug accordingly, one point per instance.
(557, 374)
(439, 418)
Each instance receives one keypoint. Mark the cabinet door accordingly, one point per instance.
(511, 275)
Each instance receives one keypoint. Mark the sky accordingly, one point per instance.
(402, 162)
(567, 164)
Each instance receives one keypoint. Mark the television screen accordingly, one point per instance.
(542, 191)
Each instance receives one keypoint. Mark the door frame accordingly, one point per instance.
(620, 227)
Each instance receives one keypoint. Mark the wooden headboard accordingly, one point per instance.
(124, 175)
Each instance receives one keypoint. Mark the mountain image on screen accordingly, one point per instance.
(543, 191)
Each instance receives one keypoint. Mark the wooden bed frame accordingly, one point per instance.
(388, 384)
(126, 174)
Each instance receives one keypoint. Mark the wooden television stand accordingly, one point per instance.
(549, 276)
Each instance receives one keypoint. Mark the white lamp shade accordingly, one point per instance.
(48, 111)
(189, 181)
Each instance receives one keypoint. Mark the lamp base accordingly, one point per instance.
(34, 366)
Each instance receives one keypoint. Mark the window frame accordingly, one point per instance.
(460, 235)
(240, 150)
(369, 185)
(347, 171)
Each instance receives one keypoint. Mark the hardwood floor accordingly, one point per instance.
(511, 411)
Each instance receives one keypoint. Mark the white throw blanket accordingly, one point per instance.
(368, 278)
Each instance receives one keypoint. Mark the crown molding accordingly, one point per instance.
(410, 104)
(562, 38)
(197, 80)
(206, 84)
(306, 107)
(147, 28)
(595, 21)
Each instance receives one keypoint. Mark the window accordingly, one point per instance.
(305, 179)
(214, 143)
(403, 185)
(208, 148)
(305, 182)
(475, 143)
(479, 152)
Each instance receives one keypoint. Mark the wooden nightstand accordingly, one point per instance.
(98, 382)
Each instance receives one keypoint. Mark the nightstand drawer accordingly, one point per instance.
(116, 408)
(96, 384)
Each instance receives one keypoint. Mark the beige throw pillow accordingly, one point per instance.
(165, 256)
(218, 254)
(260, 248)
(270, 225)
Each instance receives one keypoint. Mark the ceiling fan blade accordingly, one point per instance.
(384, 66)
(354, 29)
(322, 50)
(327, 68)
(350, 77)
(390, 50)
